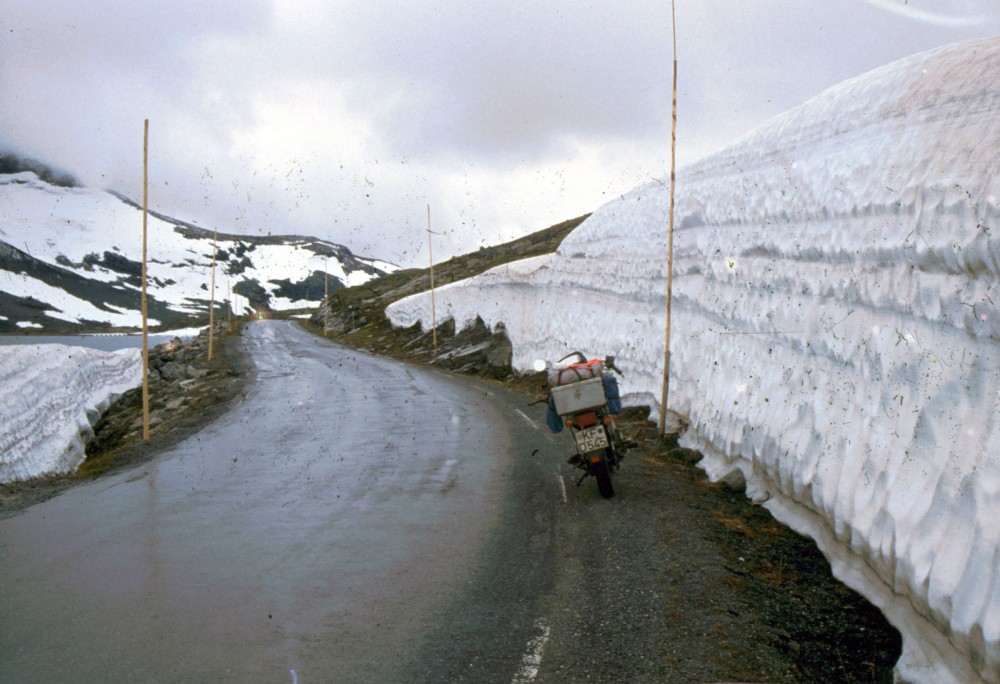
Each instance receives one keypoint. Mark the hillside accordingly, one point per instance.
(70, 261)
(356, 315)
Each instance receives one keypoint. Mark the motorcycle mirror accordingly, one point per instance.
(539, 365)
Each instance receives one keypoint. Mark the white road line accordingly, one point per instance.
(562, 486)
(532, 659)
(530, 421)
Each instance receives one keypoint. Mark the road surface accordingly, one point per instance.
(356, 519)
(314, 533)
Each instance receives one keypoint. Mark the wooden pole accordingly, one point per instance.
(145, 312)
(211, 305)
(670, 234)
(430, 252)
(229, 304)
(326, 295)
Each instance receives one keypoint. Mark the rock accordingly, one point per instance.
(195, 373)
(173, 371)
(475, 350)
(182, 384)
(500, 352)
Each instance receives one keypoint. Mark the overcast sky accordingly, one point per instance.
(345, 119)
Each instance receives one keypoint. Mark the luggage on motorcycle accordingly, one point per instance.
(612, 394)
(552, 417)
(576, 372)
(578, 396)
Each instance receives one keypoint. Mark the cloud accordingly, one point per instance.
(344, 120)
(482, 80)
(949, 13)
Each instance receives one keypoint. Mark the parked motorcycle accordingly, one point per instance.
(583, 395)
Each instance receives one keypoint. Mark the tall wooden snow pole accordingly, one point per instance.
(229, 304)
(145, 327)
(670, 233)
(430, 252)
(326, 296)
(211, 299)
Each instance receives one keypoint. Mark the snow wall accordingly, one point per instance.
(53, 394)
(834, 333)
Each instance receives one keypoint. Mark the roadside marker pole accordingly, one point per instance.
(670, 235)
(211, 305)
(229, 304)
(430, 252)
(326, 295)
(145, 327)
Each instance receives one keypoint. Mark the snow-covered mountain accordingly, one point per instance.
(70, 258)
(835, 333)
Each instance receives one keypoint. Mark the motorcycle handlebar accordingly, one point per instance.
(609, 363)
(578, 355)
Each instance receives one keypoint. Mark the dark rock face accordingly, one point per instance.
(255, 294)
(311, 288)
(10, 163)
(476, 350)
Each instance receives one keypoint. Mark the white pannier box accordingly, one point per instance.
(578, 396)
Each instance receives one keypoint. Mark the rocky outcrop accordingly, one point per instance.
(476, 350)
(183, 383)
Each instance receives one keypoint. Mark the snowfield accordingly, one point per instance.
(834, 333)
(97, 235)
(53, 395)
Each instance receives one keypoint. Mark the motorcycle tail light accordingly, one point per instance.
(586, 419)
(595, 459)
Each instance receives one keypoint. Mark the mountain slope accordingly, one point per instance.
(70, 259)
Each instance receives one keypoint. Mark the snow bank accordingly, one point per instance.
(52, 396)
(835, 332)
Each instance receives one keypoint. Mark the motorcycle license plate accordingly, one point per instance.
(591, 439)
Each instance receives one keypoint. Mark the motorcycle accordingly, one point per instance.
(583, 395)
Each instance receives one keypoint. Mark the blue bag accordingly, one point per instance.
(552, 418)
(611, 394)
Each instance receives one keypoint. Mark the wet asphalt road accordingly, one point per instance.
(314, 533)
(353, 520)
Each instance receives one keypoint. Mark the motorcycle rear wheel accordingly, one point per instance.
(602, 474)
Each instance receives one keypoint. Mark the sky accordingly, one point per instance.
(346, 120)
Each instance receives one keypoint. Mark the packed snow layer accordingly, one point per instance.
(53, 394)
(834, 332)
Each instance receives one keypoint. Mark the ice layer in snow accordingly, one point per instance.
(53, 394)
(834, 332)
